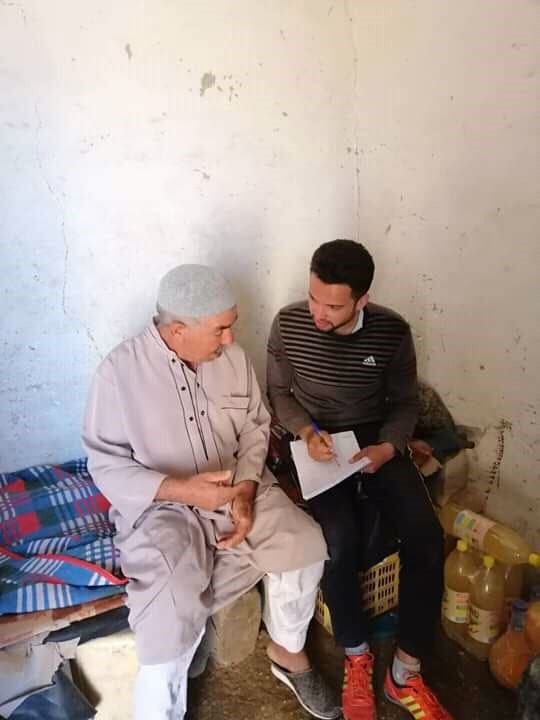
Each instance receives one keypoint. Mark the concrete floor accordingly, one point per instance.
(248, 691)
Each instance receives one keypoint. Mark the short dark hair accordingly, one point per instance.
(344, 262)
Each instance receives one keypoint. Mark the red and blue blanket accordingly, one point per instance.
(56, 542)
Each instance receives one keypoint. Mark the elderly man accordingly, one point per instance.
(176, 434)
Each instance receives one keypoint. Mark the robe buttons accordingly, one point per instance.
(183, 388)
(191, 419)
(202, 412)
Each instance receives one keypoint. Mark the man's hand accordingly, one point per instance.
(421, 452)
(207, 491)
(319, 445)
(242, 515)
(377, 454)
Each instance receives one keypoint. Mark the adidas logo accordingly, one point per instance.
(369, 361)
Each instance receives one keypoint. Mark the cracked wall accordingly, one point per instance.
(135, 136)
(447, 133)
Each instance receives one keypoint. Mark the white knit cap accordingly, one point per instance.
(194, 291)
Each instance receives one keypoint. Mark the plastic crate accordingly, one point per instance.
(380, 586)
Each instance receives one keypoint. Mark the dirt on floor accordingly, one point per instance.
(248, 691)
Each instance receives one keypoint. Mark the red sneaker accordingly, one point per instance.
(358, 699)
(415, 697)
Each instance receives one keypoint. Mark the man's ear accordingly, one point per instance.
(362, 301)
(178, 328)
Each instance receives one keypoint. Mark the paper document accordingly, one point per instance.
(316, 477)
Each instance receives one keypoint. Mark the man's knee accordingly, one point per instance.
(316, 539)
(178, 536)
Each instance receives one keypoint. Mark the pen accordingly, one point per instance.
(317, 431)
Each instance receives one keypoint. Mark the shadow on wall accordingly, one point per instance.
(237, 245)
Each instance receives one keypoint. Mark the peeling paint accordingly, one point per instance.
(208, 80)
(18, 7)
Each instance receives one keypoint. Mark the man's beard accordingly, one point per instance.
(333, 327)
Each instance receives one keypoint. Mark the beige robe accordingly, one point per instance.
(148, 416)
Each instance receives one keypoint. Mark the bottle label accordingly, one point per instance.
(472, 527)
(456, 606)
(485, 625)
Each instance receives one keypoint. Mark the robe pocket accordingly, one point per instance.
(235, 408)
(234, 402)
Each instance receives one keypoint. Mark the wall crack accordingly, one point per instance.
(62, 217)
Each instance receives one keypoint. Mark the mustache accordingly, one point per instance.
(330, 329)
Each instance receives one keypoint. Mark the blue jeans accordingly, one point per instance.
(397, 488)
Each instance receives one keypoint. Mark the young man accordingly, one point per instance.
(177, 436)
(339, 362)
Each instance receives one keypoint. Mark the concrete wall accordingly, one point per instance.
(447, 135)
(138, 135)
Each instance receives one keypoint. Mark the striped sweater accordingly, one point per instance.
(342, 381)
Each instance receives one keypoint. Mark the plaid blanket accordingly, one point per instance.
(56, 543)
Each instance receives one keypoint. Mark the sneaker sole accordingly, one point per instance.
(285, 680)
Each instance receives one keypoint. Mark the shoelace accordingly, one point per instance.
(360, 680)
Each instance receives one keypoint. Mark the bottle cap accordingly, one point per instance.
(462, 545)
(519, 605)
(534, 560)
(489, 561)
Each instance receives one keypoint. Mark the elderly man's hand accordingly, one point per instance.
(242, 515)
(207, 491)
(211, 490)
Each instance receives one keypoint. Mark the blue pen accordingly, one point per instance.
(317, 431)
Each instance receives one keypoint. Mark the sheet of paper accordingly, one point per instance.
(316, 477)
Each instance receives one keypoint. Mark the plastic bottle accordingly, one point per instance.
(487, 601)
(499, 541)
(459, 569)
(511, 653)
(534, 560)
(513, 584)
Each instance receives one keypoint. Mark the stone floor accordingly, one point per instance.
(249, 692)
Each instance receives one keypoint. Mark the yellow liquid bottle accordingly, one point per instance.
(487, 602)
(459, 569)
(492, 538)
